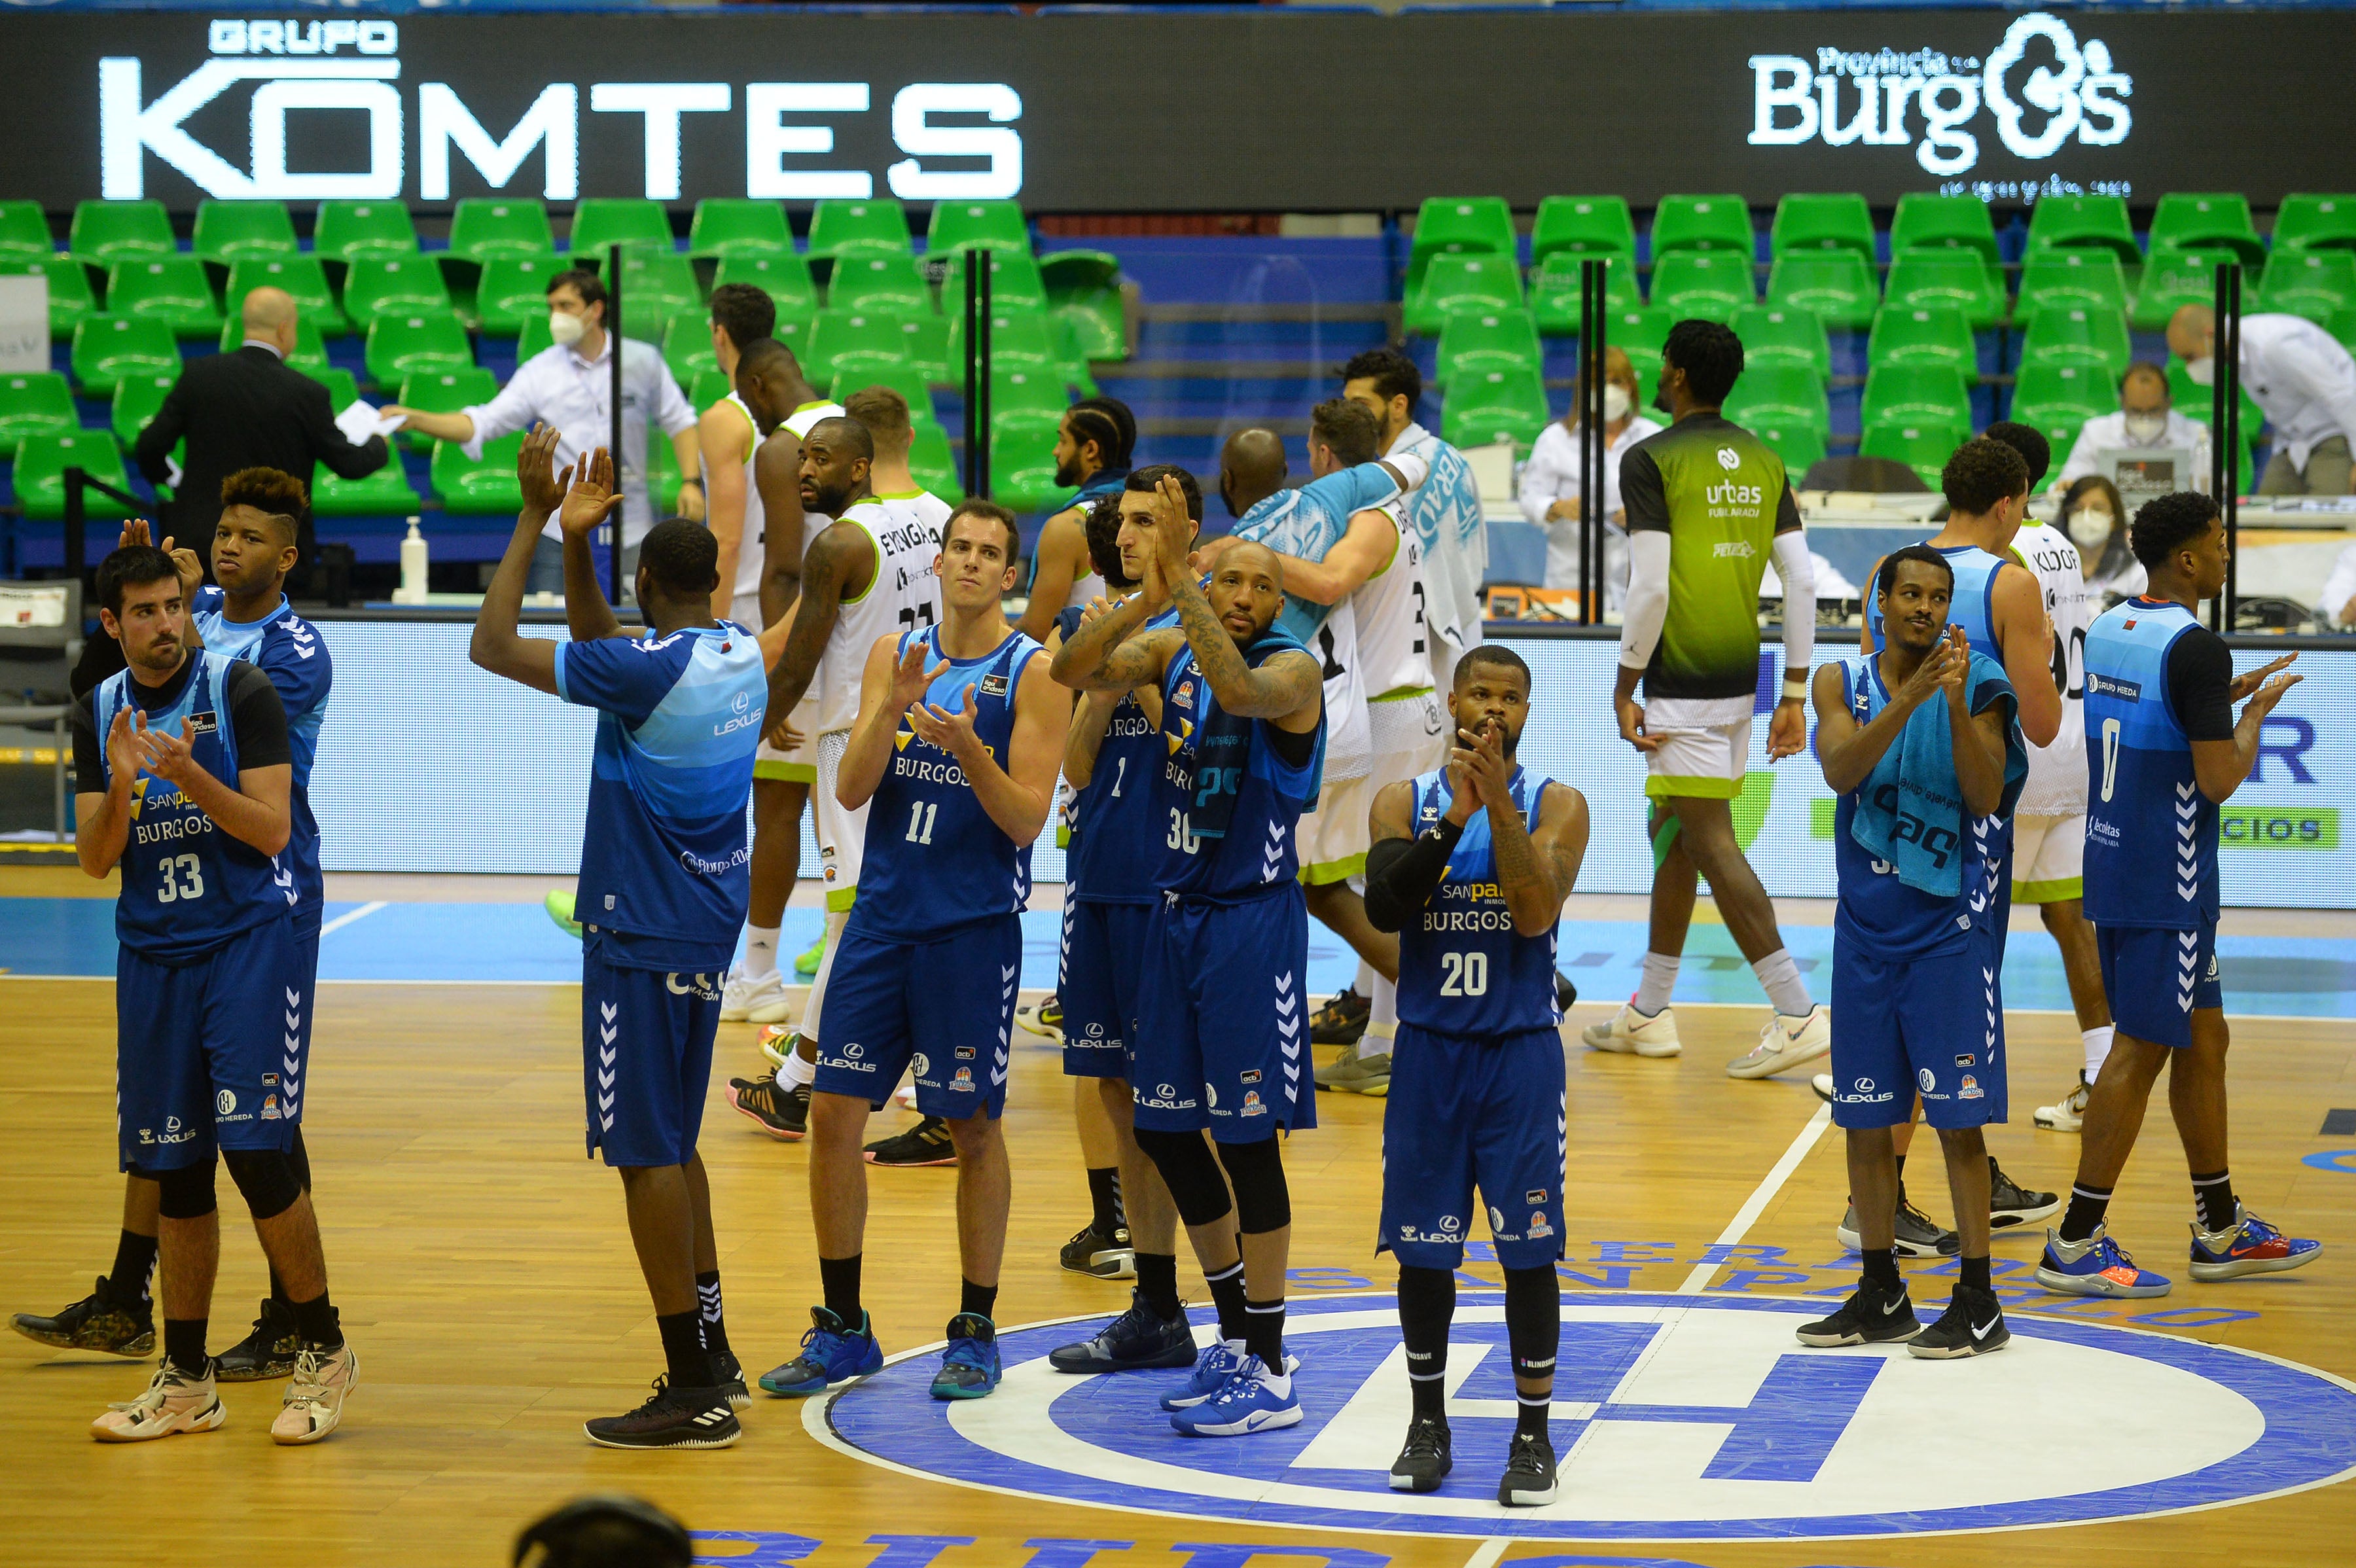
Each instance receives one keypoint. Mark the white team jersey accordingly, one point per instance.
(1445, 512)
(923, 505)
(749, 543)
(902, 594)
(1393, 640)
(1349, 742)
(1083, 590)
(2056, 773)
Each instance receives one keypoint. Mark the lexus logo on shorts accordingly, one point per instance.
(854, 1050)
(1167, 1090)
(1864, 1086)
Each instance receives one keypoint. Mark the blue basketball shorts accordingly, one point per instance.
(2156, 978)
(1222, 1018)
(1465, 1112)
(1103, 951)
(1932, 1027)
(645, 1056)
(208, 1054)
(942, 1010)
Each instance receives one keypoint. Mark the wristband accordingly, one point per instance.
(1795, 688)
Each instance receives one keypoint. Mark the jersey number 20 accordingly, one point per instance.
(1464, 974)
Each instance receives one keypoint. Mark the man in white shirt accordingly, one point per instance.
(2336, 607)
(569, 385)
(2145, 419)
(2301, 377)
(1445, 510)
(1555, 477)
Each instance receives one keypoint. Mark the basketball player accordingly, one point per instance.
(2160, 691)
(1917, 741)
(923, 972)
(1220, 1007)
(195, 769)
(1093, 443)
(665, 876)
(1471, 865)
(1706, 503)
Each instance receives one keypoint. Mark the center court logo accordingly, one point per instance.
(1679, 1418)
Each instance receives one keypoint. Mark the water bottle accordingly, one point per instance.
(412, 568)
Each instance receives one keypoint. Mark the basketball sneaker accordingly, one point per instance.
(673, 1418)
(1248, 1401)
(1566, 995)
(1043, 1018)
(1822, 1084)
(97, 1322)
(313, 1404)
(1973, 1324)
(2011, 1204)
(268, 1352)
(750, 998)
(969, 1367)
(1917, 1235)
(1873, 1314)
(783, 1114)
(1099, 1256)
(1342, 1020)
(728, 1376)
(779, 1041)
(2248, 1246)
(1427, 1456)
(1212, 1371)
(1135, 1341)
(2068, 1113)
(1529, 1479)
(1355, 1072)
(558, 904)
(831, 1356)
(1630, 1033)
(2095, 1266)
(1782, 1046)
(926, 1144)
(812, 956)
(175, 1402)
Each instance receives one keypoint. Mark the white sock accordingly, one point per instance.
(2098, 1048)
(1382, 1008)
(835, 920)
(797, 1073)
(1364, 984)
(760, 950)
(1779, 978)
(1660, 979)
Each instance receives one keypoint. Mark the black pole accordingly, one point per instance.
(614, 418)
(2230, 368)
(77, 522)
(972, 394)
(984, 315)
(1593, 416)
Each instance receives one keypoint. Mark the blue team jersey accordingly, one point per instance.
(934, 860)
(1463, 970)
(664, 856)
(2151, 834)
(288, 649)
(1307, 522)
(187, 885)
(1258, 850)
(1971, 607)
(1116, 836)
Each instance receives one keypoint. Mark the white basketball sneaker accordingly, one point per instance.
(314, 1402)
(175, 1402)
(1630, 1033)
(1780, 1046)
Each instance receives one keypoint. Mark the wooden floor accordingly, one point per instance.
(485, 1279)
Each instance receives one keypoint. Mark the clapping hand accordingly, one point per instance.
(910, 678)
(184, 561)
(592, 498)
(951, 729)
(2244, 684)
(544, 488)
(1478, 771)
(170, 757)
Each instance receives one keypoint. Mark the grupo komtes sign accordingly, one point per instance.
(2038, 90)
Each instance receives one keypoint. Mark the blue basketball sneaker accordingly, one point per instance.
(2248, 1246)
(831, 1356)
(1213, 1370)
(970, 1368)
(2095, 1266)
(1138, 1338)
(1249, 1402)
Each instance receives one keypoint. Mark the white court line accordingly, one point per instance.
(1762, 1196)
(345, 918)
(1486, 1554)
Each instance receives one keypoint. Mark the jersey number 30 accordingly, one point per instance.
(1181, 835)
(1464, 974)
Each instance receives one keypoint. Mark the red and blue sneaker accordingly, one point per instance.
(1253, 1399)
(2248, 1246)
(2095, 1266)
(832, 1353)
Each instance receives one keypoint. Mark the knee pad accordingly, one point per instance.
(299, 1158)
(266, 1177)
(184, 1193)
(1663, 832)
(1263, 1201)
(1189, 1172)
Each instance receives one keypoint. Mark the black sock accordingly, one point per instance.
(1881, 1268)
(2212, 1196)
(1975, 1273)
(316, 1322)
(978, 1300)
(838, 1279)
(682, 1341)
(1157, 1281)
(135, 1265)
(1264, 1333)
(1901, 1176)
(1227, 1295)
(183, 1343)
(1534, 1334)
(707, 1301)
(1426, 1301)
(1104, 1195)
(278, 1293)
(2084, 1215)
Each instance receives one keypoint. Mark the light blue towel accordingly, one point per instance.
(1909, 810)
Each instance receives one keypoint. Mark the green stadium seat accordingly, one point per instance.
(487, 488)
(1455, 226)
(71, 299)
(1016, 282)
(1780, 395)
(173, 290)
(24, 232)
(738, 226)
(232, 231)
(880, 284)
(1923, 446)
(487, 228)
(1488, 406)
(2058, 399)
(310, 355)
(1915, 394)
(2099, 221)
(1800, 445)
(2175, 278)
(1474, 341)
(400, 347)
(842, 228)
(1022, 459)
(1711, 285)
(105, 232)
(1555, 290)
(1639, 334)
(1942, 222)
(40, 475)
(687, 348)
(2070, 336)
(347, 230)
(656, 286)
(709, 387)
(977, 226)
(2306, 221)
(2342, 327)
(35, 403)
(533, 338)
(934, 465)
(385, 493)
(851, 375)
(135, 402)
(1840, 285)
(1783, 334)
(1067, 352)
(1083, 290)
(393, 285)
(1028, 390)
(108, 347)
(514, 290)
(2314, 283)
(599, 222)
(2084, 277)
(926, 339)
(1955, 276)
(1456, 282)
(2186, 221)
(1582, 226)
(1925, 335)
(1016, 336)
(443, 391)
(301, 277)
(1841, 222)
(871, 335)
(784, 276)
(1702, 223)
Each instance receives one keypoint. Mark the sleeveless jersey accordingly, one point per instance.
(2151, 834)
(747, 606)
(1463, 970)
(1350, 738)
(1445, 513)
(813, 523)
(1971, 607)
(1261, 851)
(1876, 908)
(2056, 773)
(186, 886)
(901, 597)
(1115, 836)
(288, 649)
(921, 505)
(1394, 642)
(933, 859)
(1091, 584)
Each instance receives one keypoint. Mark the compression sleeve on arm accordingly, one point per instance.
(1647, 608)
(1413, 470)
(2201, 685)
(1403, 874)
(1798, 570)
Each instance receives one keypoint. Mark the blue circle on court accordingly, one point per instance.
(2340, 1160)
(1676, 1418)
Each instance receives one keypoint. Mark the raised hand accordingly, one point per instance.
(951, 729)
(2262, 701)
(1932, 675)
(592, 498)
(170, 757)
(125, 757)
(1479, 756)
(909, 677)
(1172, 530)
(544, 488)
(2244, 684)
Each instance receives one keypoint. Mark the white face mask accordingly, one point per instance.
(2203, 371)
(1616, 402)
(2146, 428)
(2089, 529)
(565, 327)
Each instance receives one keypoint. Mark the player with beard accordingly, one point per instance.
(1093, 443)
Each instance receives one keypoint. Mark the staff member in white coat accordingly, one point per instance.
(2304, 381)
(2145, 419)
(1554, 477)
